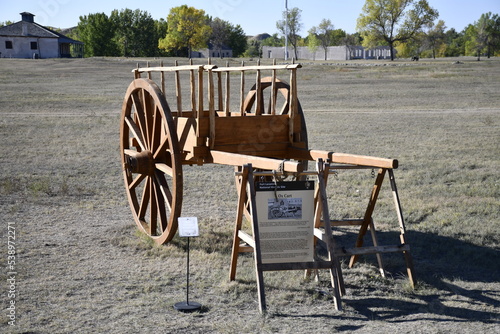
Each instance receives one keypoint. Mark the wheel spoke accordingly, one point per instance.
(148, 114)
(136, 132)
(160, 201)
(153, 208)
(136, 182)
(144, 200)
(140, 114)
(166, 169)
(165, 191)
(157, 133)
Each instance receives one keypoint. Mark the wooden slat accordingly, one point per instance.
(178, 91)
(227, 95)
(242, 90)
(372, 250)
(246, 238)
(211, 107)
(258, 67)
(169, 68)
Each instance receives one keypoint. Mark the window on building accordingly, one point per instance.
(8, 44)
(34, 46)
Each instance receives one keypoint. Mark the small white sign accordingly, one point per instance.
(188, 226)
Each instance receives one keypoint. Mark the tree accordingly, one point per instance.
(483, 36)
(135, 33)
(290, 27)
(220, 34)
(435, 37)
(391, 21)
(226, 34)
(97, 31)
(323, 34)
(237, 40)
(274, 40)
(187, 27)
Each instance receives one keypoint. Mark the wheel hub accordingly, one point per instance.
(141, 162)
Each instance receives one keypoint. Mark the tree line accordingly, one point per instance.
(134, 33)
(411, 27)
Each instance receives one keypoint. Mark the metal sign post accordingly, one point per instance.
(188, 227)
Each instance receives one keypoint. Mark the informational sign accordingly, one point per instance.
(188, 226)
(285, 214)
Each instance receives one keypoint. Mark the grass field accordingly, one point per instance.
(81, 266)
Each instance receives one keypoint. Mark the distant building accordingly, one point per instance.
(332, 52)
(27, 39)
(211, 52)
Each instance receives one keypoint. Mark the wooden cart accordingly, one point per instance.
(262, 126)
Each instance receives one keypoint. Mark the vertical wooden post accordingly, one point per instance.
(137, 74)
(226, 93)
(162, 78)
(192, 84)
(178, 92)
(200, 102)
(219, 92)
(211, 107)
(258, 94)
(242, 90)
(149, 72)
(273, 91)
(292, 110)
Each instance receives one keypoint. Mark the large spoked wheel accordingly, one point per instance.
(151, 160)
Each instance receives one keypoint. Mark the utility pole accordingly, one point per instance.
(286, 29)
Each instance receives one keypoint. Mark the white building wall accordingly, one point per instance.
(333, 53)
(21, 47)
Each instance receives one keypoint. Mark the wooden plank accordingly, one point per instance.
(169, 68)
(258, 67)
(246, 238)
(364, 160)
(273, 150)
(234, 159)
(372, 250)
(251, 130)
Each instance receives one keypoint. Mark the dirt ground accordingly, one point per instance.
(73, 262)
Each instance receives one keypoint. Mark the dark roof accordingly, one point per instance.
(33, 30)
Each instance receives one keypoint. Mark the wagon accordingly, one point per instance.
(158, 137)
(260, 131)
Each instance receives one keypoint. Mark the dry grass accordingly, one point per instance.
(82, 267)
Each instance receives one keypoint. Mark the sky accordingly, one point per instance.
(254, 16)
